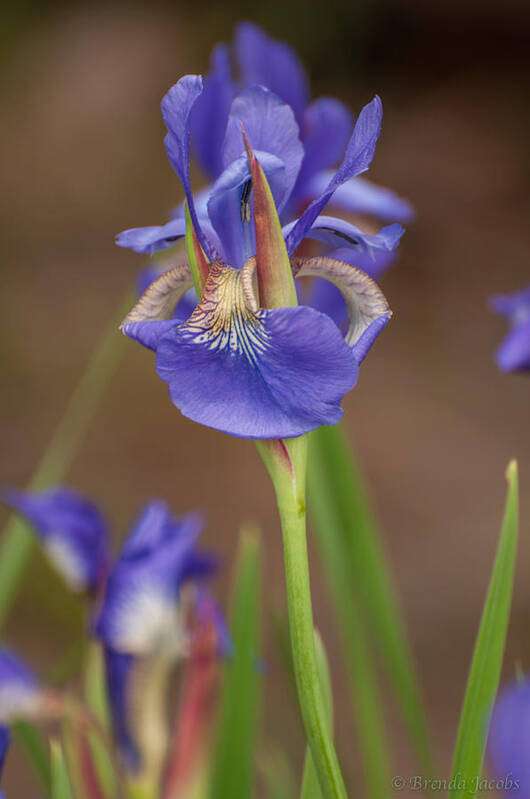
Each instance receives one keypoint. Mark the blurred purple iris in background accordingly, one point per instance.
(513, 354)
(73, 533)
(142, 617)
(509, 739)
(20, 692)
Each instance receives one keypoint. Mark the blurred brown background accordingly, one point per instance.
(434, 422)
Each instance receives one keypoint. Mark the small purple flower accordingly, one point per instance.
(140, 612)
(72, 531)
(20, 692)
(513, 354)
(509, 739)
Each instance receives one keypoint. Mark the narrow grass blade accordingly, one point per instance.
(32, 741)
(61, 788)
(233, 759)
(360, 550)
(96, 700)
(310, 784)
(17, 540)
(483, 680)
(365, 694)
(278, 775)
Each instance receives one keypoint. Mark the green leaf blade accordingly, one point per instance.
(370, 585)
(61, 788)
(32, 741)
(233, 759)
(484, 674)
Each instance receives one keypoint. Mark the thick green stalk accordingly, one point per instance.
(17, 539)
(286, 463)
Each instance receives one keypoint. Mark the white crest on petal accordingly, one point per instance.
(159, 301)
(18, 699)
(364, 299)
(148, 622)
(67, 562)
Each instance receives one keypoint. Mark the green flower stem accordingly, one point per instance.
(286, 463)
(17, 540)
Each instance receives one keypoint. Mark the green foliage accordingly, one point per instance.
(17, 539)
(96, 701)
(365, 694)
(233, 759)
(310, 783)
(360, 582)
(32, 741)
(60, 788)
(486, 665)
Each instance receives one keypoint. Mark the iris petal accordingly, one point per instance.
(118, 676)
(230, 205)
(210, 112)
(514, 352)
(270, 127)
(265, 61)
(177, 106)
(359, 154)
(339, 233)
(360, 196)
(255, 373)
(367, 306)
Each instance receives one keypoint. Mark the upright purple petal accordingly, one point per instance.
(139, 614)
(230, 205)
(359, 154)
(73, 532)
(363, 198)
(509, 739)
(267, 62)
(255, 374)
(327, 127)
(210, 113)
(270, 127)
(177, 106)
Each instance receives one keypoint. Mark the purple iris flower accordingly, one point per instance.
(143, 611)
(140, 613)
(509, 739)
(513, 354)
(20, 692)
(72, 531)
(245, 370)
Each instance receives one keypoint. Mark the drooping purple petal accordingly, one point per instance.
(177, 106)
(359, 154)
(270, 127)
(5, 741)
(148, 240)
(139, 614)
(513, 355)
(514, 352)
(210, 113)
(255, 373)
(509, 739)
(118, 673)
(360, 196)
(267, 62)
(338, 233)
(73, 533)
(327, 127)
(230, 205)
(20, 692)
